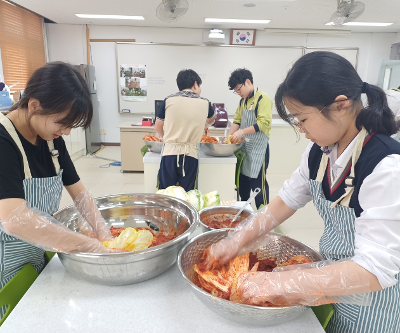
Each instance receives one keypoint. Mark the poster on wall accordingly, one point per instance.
(133, 82)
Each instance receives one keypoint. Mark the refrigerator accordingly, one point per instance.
(93, 137)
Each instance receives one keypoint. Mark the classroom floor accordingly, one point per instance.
(305, 225)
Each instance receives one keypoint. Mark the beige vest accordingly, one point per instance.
(184, 123)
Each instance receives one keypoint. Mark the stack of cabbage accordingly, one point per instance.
(194, 197)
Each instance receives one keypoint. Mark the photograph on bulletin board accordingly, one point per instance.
(133, 82)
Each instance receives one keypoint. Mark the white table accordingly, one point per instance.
(215, 173)
(59, 302)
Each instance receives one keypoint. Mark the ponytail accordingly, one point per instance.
(377, 116)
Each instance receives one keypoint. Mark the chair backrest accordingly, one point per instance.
(14, 289)
(323, 313)
(240, 156)
(144, 150)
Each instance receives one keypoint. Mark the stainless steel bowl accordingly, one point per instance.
(277, 246)
(220, 149)
(154, 146)
(219, 213)
(132, 210)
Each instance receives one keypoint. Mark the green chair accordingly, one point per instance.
(49, 255)
(239, 156)
(14, 289)
(144, 150)
(323, 313)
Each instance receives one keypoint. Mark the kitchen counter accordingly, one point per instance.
(215, 173)
(59, 302)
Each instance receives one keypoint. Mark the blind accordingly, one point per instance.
(21, 44)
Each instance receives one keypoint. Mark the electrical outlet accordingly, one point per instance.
(104, 131)
(101, 131)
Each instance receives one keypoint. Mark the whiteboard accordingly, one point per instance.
(214, 64)
(351, 54)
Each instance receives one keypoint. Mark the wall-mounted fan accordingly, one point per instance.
(171, 10)
(347, 11)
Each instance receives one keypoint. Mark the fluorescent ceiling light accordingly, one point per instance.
(218, 20)
(309, 31)
(364, 24)
(216, 33)
(114, 17)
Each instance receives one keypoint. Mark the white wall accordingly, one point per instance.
(67, 43)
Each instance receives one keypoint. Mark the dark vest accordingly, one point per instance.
(376, 147)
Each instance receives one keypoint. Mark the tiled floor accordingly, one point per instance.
(305, 225)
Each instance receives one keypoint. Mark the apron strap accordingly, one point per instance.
(345, 198)
(186, 148)
(8, 125)
(54, 155)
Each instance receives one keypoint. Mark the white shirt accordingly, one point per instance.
(377, 230)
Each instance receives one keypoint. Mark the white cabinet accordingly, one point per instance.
(76, 142)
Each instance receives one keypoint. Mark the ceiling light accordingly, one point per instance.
(114, 17)
(309, 31)
(218, 20)
(216, 33)
(364, 24)
(249, 5)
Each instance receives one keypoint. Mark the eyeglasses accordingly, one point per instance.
(297, 123)
(237, 91)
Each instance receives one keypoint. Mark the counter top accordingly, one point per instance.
(59, 302)
(151, 157)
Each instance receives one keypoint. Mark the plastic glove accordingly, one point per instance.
(246, 231)
(308, 284)
(206, 127)
(237, 136)
(88, 212)
(43, 231)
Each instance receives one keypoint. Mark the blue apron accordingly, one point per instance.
(337, 242)
(43, 194)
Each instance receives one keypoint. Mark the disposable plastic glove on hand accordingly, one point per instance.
(43, 231)
(237, 136)
(246, 231)
(307, 284)
(88, 212)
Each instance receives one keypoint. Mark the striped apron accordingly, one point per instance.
(337, 242)
(255, 148)
(43, 194)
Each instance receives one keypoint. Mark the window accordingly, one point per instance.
(21, 44)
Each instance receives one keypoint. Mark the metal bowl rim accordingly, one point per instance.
(221, 299)
(157, 248)
(209, 208)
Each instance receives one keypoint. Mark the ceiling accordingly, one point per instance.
(294, 14)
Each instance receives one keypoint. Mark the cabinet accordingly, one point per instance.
(75, 143)
(131, 144)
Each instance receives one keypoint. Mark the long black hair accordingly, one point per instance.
(317, 78)
(59, 88)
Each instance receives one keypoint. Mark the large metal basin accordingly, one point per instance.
(220, 149)
(132, 210)
(154, 146)
(276, 246)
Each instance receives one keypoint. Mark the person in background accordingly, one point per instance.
(181, 122)
(252, 120)
(34, 167)
(351, 172)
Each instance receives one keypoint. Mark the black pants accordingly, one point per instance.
(247, 184)
(170, 174)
